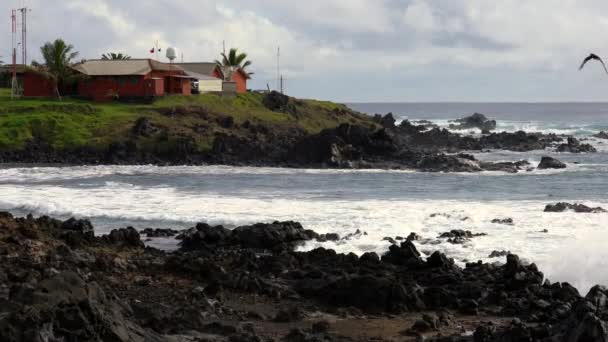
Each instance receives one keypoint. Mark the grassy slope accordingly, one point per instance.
(74, 123)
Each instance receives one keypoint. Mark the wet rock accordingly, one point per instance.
(476, 120)
(125, 237)
(66, 308)
(277, 235)
(387, 121)
(507, 221)
(550, 163)
(459, 233)
(402, 255)
(574, 146)
(333, 237)
(413, 237)
(601, 135)
(498, 254)
(159, 232)
(390, 240)
(577, 208)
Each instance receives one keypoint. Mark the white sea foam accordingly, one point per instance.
(576, 237)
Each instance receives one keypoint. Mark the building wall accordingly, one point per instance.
(105, 88)
(35, 85)
(241, 82)
(210, 85)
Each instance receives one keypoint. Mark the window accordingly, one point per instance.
(121, 80)
(134, 80)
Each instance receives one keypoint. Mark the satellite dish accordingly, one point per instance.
(171, 53)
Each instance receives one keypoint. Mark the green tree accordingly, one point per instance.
(57, 68)
(232, 62)
(115, 56)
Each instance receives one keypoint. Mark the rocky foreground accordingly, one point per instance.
(59, 282)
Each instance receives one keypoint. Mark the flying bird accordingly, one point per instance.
(593, 57)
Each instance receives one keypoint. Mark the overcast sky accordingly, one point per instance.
(356, 50)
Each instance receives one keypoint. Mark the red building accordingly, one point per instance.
(133, 78)
(105, 80)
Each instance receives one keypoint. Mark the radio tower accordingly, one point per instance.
(24, 11)
(14, 85)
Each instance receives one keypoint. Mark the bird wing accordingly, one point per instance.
(603, 64)
(596, 57)
(590, 57)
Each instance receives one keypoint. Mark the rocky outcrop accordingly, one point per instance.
(386, 121)
(476, 120)
(574, 146)
(274, 236)
(577, 208)
(550, 163)
(249, 284)
(506, 221)
(601, 135)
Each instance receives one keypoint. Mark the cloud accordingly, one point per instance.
(330, 48)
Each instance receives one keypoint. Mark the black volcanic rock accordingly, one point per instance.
(386, 121)
(550, 163)
(476, 120)
(574, 146)
(601, 135)
(577, 208)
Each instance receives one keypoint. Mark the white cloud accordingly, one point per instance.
(339, 40)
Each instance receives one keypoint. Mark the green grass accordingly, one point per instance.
(74, 123)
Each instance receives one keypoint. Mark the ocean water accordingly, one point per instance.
(380, 203)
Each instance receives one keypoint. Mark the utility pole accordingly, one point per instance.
(281, 84)
(14, 61)
(24, 11)
(279, 68)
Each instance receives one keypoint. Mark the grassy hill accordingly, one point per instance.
(74, 123)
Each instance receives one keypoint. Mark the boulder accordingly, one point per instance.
(574, 146)
(498, 254)
(387, 121)
(159, 232)
(476, 120)
(143, 127)
(550, 163)
(124, 237)
(65, 308)
(506, 221)
(577, 208)
(601, 135)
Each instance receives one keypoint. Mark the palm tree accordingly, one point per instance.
(115, 56)
(233, 62)
(58, 59)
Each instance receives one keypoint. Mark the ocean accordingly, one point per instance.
(378, 202)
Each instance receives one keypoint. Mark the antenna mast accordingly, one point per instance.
(24, 11)
(279, 69)
(14, 57)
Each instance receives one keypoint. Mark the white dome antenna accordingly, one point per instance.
(171, 53)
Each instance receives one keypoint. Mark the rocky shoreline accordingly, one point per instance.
(380, 144)
(61, 282)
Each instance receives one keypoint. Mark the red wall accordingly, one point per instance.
(37, 86)
(102, 88)
(239, 78)
(241, 82)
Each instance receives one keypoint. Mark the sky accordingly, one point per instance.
(354, 50)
